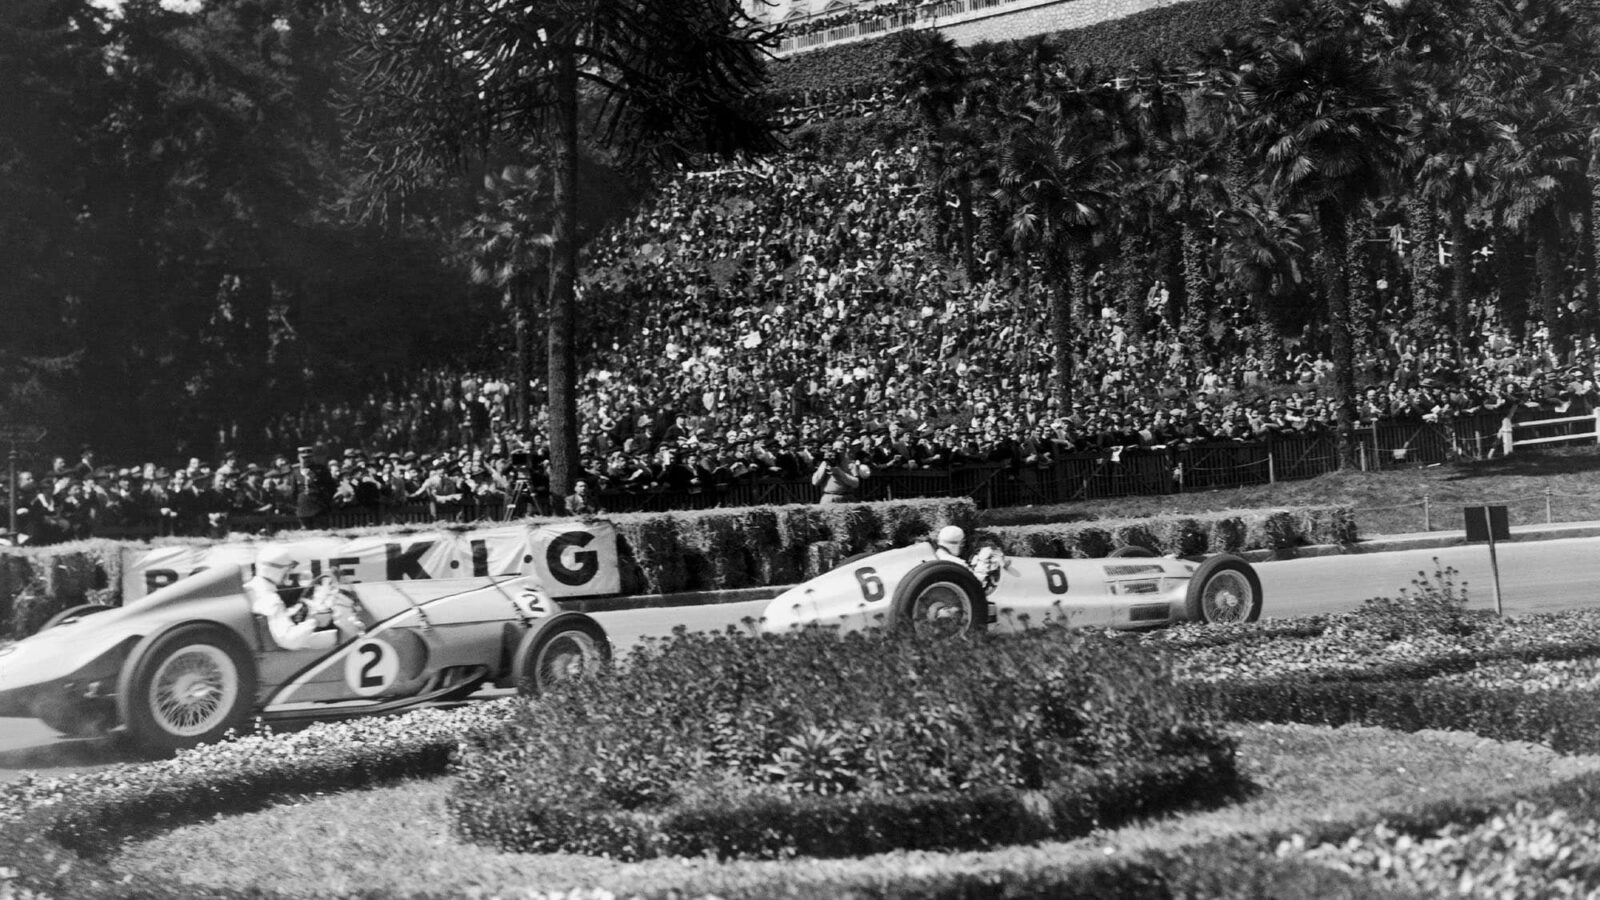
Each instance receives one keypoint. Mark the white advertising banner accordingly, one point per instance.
(572, 559)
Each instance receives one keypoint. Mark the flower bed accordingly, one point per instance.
(816, 745)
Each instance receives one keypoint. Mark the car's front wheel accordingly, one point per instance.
(940, 600)
(561, 648)
(1225, 589)
(185, 687)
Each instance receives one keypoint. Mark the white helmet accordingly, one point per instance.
(951, 538)
(273, 562)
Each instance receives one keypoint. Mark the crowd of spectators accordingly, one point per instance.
(886, 15)
(753, 321)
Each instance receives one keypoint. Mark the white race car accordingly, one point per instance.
(919, 588)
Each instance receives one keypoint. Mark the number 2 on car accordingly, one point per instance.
(371, 667)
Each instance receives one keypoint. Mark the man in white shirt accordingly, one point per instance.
(289, 621)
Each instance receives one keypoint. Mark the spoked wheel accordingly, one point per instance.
(1225, 589)
(563, 648)
(940, 601)
(185, 687)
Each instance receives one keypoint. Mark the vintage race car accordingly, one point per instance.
(187, 663)
(917, 587)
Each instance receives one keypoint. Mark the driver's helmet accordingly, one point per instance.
(951, 539)
(273, 563)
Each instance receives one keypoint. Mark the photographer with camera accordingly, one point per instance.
(841, 474)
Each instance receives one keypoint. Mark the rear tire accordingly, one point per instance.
(1225, 589)
(562, 648)
(185, 687)
(940, 600)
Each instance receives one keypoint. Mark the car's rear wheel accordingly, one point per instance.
(1225, 589)
(559, 649)
(185, 687)
(940, 600)
(73, 614)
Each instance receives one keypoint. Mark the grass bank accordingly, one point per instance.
(396, 840)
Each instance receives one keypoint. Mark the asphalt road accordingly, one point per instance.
(1535, 576)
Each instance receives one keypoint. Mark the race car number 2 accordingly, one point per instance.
(372, 667)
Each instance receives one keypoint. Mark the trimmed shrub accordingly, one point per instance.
(1181, 535)
(650, 542)
(1089, 541)
(1227, 534)
(1271, 530)
(716, 550)
(873, 737)
(1136, 534)
(1328, 524)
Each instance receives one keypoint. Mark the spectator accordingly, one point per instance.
(312, 486)
(840, 476)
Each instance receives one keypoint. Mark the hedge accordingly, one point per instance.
(1277, 530)
(772, 825)
(820, 745)
(1568, 722)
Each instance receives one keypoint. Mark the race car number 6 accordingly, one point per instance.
(372, 667)
(871, 584)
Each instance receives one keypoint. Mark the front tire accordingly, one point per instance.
(1224, 590)
(562, 648)
(185, 687)
(940, 600)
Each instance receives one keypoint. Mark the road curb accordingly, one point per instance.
(1376, 544)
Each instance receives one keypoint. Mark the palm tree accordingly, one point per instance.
(441, 80)
(1262, 246)
(1058, 177)
(1540, 58)
(929, 72)
(509, 248)
(1326, 129)
(1185, 185)
(1456, 138)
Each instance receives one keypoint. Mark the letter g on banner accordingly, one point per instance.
(585, 562)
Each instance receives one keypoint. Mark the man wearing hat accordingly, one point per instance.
(313, 486)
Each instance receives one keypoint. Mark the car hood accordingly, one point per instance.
(66, 650)
(839, 591)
